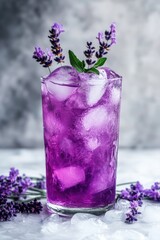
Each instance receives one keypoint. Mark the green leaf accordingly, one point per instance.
(100, 62)
(83, 64)
(75, 62)
(92, 70)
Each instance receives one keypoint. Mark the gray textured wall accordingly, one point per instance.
(24, 24)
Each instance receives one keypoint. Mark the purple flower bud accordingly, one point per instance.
(100, 36)
(44, 59)
(38, 53)
(13, 174)
(113, 33)
(58, 28)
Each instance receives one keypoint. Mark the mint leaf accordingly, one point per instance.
(100, 62)
(92, 70)
(75, 62)
(83, 64)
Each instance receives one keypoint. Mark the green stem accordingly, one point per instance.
(36, 178)
(37, 190)
(122, 184)
(31, 199)
(49, 69)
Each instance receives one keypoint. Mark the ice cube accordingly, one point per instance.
(79, 217)
(95, 87)
(151, 214)
(88, 225)
(52, 124)
(62, 82)
(67, 146)
(115, 95)
(95, 118)
(69, 176)
(92, 143)
(122, 204)
(127, 234)
(112, 216)
(102, 180)
(51, 224)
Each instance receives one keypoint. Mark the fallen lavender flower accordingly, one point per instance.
(153, 193)
(19, 187)
(135, 192)
(131, 215)
(134, 195)
(30, 207)
(40, 184)
(14, 184)
(7, 211)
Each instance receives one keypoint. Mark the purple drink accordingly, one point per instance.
(81, 129)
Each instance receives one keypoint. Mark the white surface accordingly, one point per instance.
(143, 165)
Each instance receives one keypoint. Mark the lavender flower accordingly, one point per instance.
(154, 192)
(58, 28)
(131, 215)
(135, 192)
(44, 59)
(89, 53)
(13, 174)
(14, 184)
(113, 33)
(7, 211)
(110, 39)
(30, 207)
(100, 36)
(41, 184)
(56, 49)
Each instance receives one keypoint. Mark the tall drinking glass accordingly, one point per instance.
(81, 131)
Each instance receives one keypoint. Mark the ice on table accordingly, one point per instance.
(154, 232)
(126, 234)
(113, 216)
(151, 214)
(95, 118)
(69, 176)
(88, 225)
(79, 217)
(95, 87)
(122, 204)
(62, 83)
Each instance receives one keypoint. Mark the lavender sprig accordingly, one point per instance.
(153, 193)
(89, 54)
(45, 59)
(10, 209)
(14, 184)
(106, 40)
(18, 187)
(56, 48)
(135, 195)
(131, 215)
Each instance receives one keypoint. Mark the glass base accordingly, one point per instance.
(67, 211)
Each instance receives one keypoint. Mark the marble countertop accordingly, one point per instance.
(142, 165)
